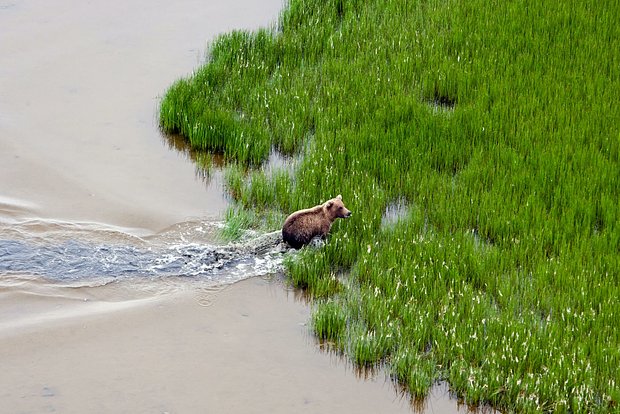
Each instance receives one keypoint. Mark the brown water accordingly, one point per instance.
(79, 89)
(243, 349)
(82, 162)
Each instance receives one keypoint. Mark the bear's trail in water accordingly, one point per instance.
(92, 255)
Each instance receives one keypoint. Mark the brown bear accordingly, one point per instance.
(302, 226)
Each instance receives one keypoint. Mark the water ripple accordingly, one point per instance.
(81, 260)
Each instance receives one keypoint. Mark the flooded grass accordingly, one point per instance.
(494, 126)
(396, 211)
(206, 161)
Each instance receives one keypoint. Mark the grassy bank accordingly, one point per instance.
(478, 144)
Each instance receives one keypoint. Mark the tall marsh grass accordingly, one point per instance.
(497, 125)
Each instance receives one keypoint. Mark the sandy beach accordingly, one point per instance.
(80, 149)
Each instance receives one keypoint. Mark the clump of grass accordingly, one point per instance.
(330, 322)
(501, 276)
(315, 276)
(239, 220)
(416, 370)
(204, 163)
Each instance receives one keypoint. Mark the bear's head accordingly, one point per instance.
(335, 208)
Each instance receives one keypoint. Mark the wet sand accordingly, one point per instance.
(79, 143)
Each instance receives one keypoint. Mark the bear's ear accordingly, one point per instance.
(339, 197)
(329, 204)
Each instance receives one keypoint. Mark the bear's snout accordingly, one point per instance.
(348, 214)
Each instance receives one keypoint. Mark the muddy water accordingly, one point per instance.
(87, 183)
(79, 88)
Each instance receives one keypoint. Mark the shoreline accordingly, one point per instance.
(243, 348)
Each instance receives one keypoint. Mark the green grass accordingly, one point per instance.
(496, 125)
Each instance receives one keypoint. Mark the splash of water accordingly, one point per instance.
(82, 255)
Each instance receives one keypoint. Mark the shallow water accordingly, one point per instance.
(80, 256)
(90, 190)
(79, 89)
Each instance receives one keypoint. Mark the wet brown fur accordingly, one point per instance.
(302, 226)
